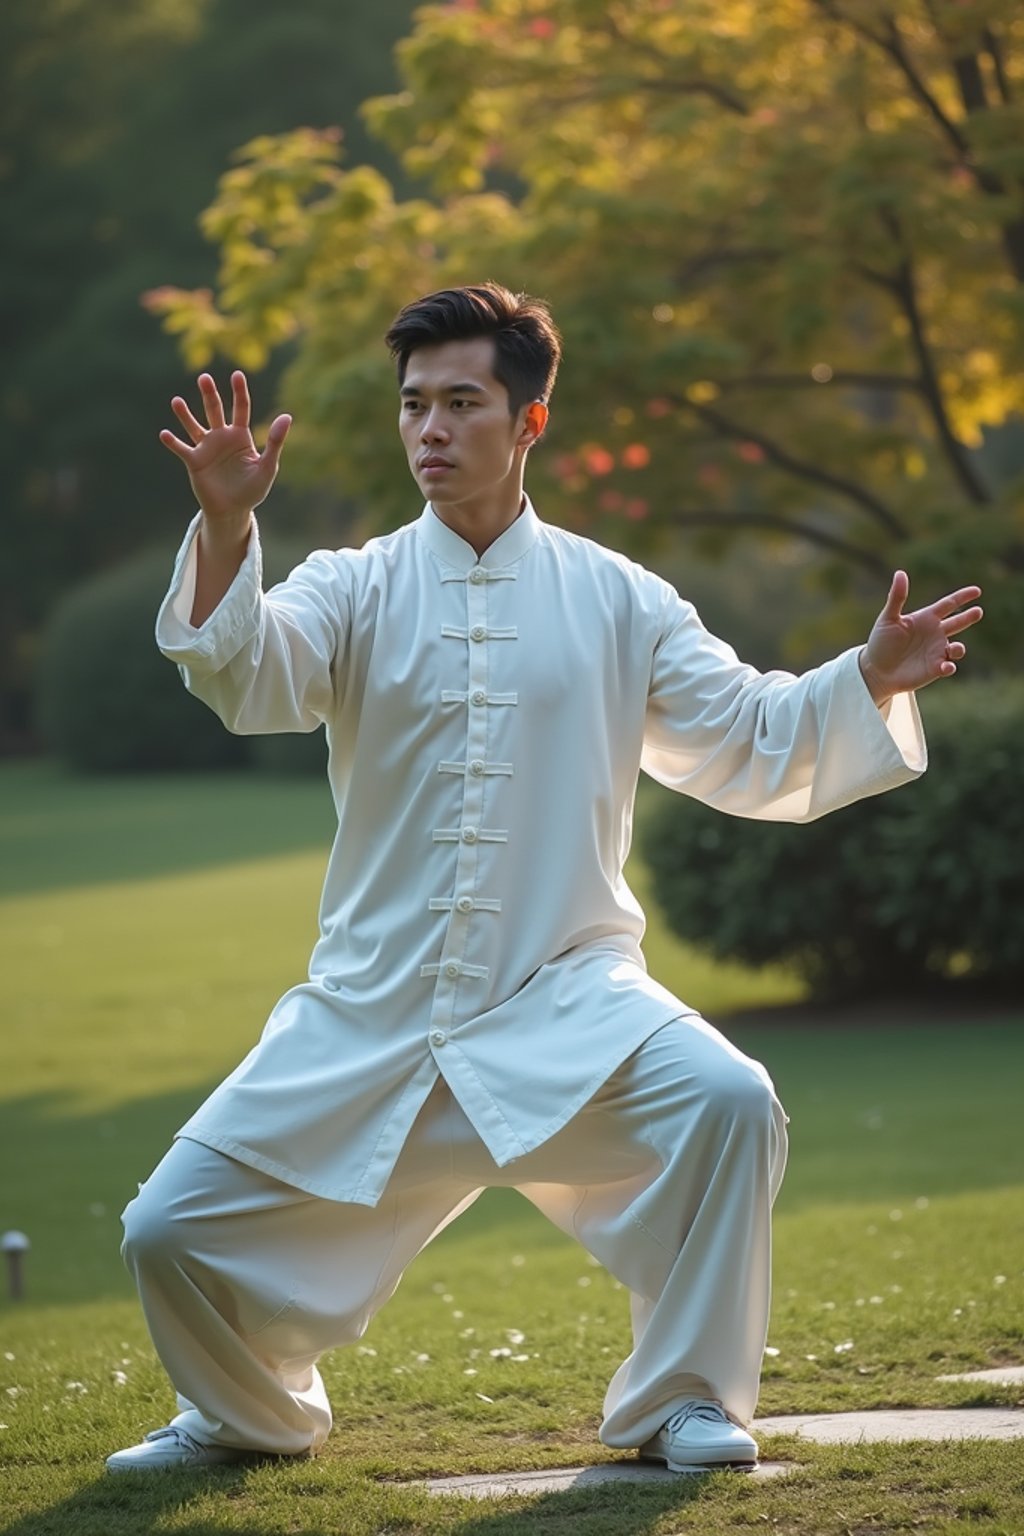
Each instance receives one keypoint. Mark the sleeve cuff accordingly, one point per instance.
(231, 624)
(896, 730)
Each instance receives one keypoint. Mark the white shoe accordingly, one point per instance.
(700, 1435)
(170, 1448)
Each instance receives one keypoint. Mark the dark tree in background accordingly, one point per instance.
(115, 123)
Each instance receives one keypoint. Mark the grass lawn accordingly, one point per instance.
(146, 926)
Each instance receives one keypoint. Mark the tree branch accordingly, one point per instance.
(972, 93)
(891, 42)
(600, 90)
(884, 381)
(995, 52)
(894, 46)
(904, 287)
(698, 87)
(768, 521)
(718, 92)
(849, 489)
(724, 256)
(971, 82)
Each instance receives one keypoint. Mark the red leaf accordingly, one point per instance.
(597, 460)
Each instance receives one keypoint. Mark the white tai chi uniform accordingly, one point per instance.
(487, 719)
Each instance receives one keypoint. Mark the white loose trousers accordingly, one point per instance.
(666, 1175)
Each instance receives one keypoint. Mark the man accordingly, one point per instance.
(478, 1011)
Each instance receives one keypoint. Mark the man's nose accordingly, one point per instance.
(434, 429)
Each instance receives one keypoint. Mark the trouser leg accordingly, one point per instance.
(688, 1231)
(245, 1282)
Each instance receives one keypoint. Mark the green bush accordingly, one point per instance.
(890, 894)
(107, 701)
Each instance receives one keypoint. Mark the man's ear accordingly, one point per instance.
(536, 419)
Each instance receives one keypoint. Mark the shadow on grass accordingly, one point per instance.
(126, 1505)
(59, 831)
(602, 1510)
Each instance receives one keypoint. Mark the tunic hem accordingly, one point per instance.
(242, 1154)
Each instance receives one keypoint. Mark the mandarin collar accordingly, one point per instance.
(454, 551)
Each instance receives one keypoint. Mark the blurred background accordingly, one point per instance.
(785, 245)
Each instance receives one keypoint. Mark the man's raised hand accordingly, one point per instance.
(229, 476)
(907, 650)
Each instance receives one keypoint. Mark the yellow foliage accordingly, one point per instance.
(716, 198)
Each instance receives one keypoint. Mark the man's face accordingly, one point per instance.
(460, 439)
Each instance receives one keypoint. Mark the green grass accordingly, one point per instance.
(145, 929)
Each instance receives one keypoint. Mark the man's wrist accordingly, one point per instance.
(224, 532)
(880, 693)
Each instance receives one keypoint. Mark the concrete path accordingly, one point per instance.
(898, 1424)
(824, 1428)
(558, 1479)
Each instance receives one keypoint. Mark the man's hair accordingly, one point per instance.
(527, 346)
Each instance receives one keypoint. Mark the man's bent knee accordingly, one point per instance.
(149, 1232)
(742, 1092)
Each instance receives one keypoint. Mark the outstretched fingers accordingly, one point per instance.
(181, 409)
(275, 441)
(952, 601)
(898, 593)
(212, 403)
(241, 407)
(182, 451)
(961, 621)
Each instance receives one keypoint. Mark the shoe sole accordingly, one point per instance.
(150, 1468)
(243, 1459)
(701, 1466)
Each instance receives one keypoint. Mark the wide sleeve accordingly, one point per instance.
(770, 745)
(264, 662)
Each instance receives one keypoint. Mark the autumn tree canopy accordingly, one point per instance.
(784, 241)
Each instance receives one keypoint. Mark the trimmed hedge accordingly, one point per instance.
(890, 894)
(107, 701)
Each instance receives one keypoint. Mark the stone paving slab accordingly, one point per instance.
(1000, 1376)
(559, 1479)
(825, 1428)
(898, 1424)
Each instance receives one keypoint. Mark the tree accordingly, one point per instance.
(114, 124)
(785, 243)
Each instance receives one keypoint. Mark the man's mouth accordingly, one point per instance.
(435, 462)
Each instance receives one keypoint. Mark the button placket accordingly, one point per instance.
(462, 906)
(476, 726)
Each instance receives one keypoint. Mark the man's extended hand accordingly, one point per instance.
(907, 650)
(228, 475)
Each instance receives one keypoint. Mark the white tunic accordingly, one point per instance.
(487, 720)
